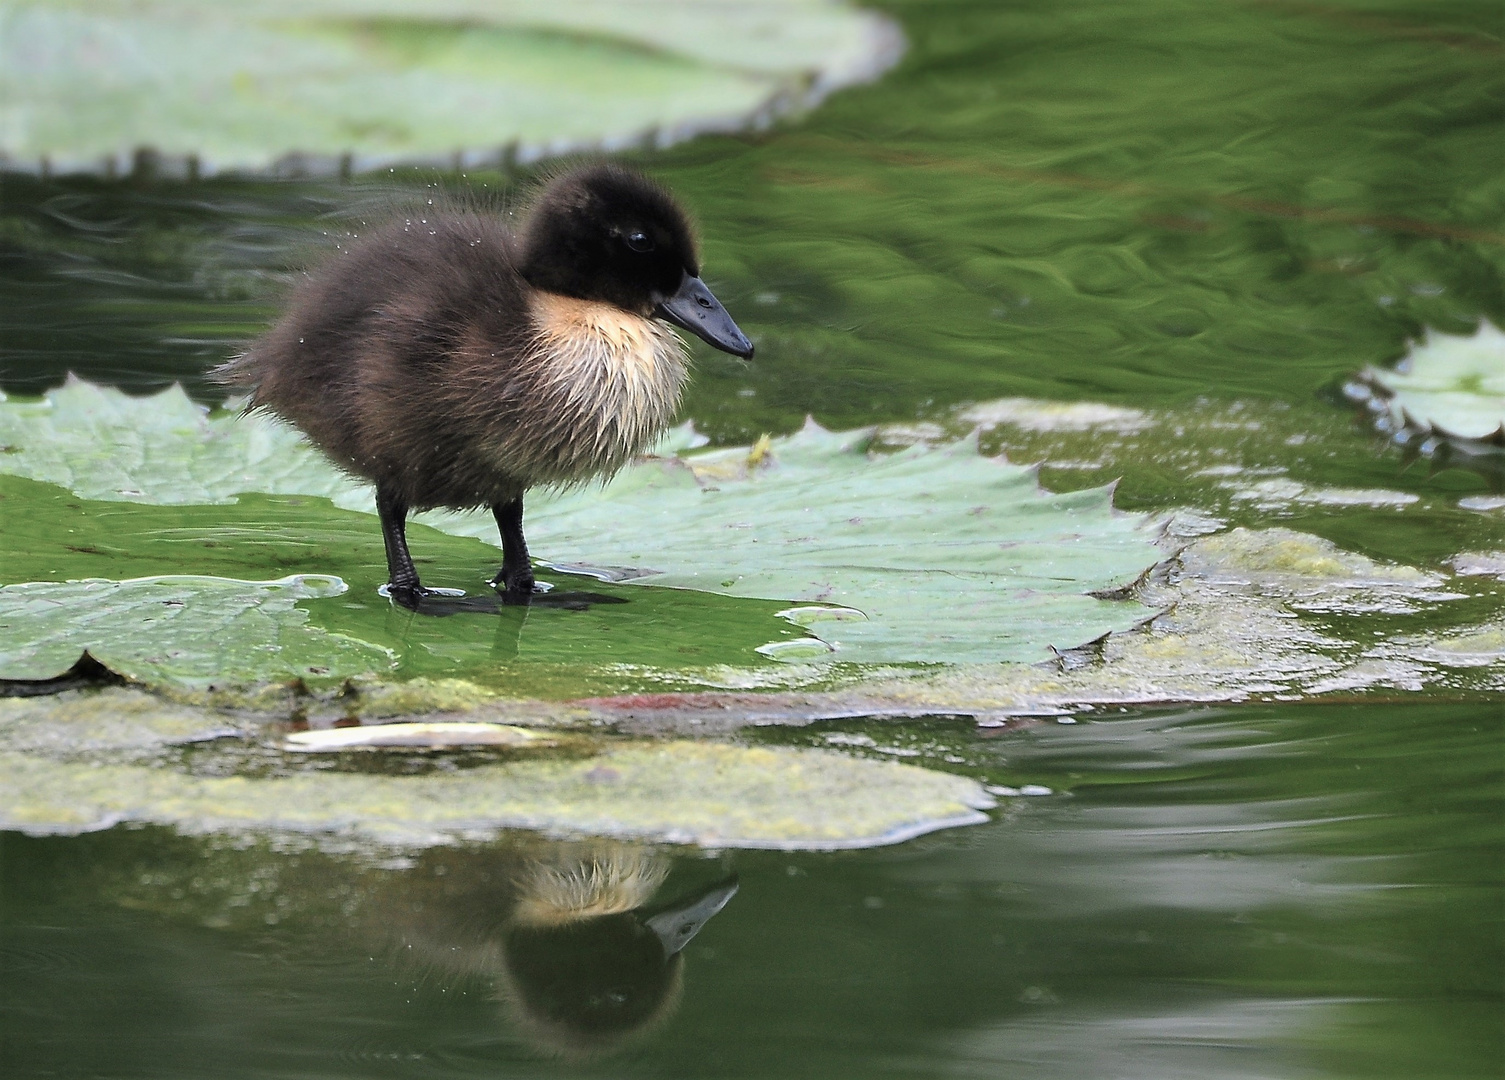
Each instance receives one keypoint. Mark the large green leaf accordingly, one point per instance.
(241, 85)
(88, 576)
(934, 554)
(86, 762)
(187, 629)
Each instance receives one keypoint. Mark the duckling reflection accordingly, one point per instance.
(570, 937)
(581, 956)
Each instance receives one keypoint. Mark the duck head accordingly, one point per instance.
(605, 233)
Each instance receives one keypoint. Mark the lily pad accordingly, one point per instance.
(1445, 402)
(216, 624)
(711, 794)
(935, 554)
(1449, 385)
(242, 86)
(181, 628)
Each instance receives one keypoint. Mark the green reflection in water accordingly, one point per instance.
(1221, 893)
(1110, 200)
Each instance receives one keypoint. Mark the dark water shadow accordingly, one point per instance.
(442, 607)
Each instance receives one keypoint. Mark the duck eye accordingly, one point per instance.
(638, 241)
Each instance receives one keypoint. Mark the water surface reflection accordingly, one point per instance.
(1271, 890)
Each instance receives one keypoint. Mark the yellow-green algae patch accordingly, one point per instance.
(116, 723)
(1472, 647)
(88, 770)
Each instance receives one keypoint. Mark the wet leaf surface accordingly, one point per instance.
(929, 555)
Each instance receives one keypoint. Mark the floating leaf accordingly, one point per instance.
(682, 792)
(1449, 384)
(183, 629)
(933, 554)
(240, 86)
(573, 641)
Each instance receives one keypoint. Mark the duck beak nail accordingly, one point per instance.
(695, 309)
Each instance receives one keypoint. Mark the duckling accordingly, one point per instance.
(454, 362)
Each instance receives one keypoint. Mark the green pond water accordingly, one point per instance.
(1195, 223)
(1255, 892)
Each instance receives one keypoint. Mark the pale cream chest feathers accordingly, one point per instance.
(602, 385)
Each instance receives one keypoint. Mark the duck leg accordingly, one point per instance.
(516, 575)
(402, 575)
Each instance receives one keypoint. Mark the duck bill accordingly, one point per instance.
(676, 926)
(695, 309)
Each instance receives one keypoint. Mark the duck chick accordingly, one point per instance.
(456, 363)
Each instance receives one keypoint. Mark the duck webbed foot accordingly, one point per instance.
(515, 579)
(515, 587)
(410, 596)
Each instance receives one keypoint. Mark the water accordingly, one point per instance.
(1261, 891)
(1207, 216)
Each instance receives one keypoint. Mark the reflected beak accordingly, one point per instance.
(676, 926)
(693, 308)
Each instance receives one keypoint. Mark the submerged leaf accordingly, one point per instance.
(681, 792)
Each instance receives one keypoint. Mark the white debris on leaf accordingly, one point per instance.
(1482, 504)
(417, 736)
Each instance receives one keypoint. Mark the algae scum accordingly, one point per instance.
(1120, 477)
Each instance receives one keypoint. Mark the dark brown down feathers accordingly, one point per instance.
(423, 360)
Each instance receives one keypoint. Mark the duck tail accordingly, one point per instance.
(242, 372)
